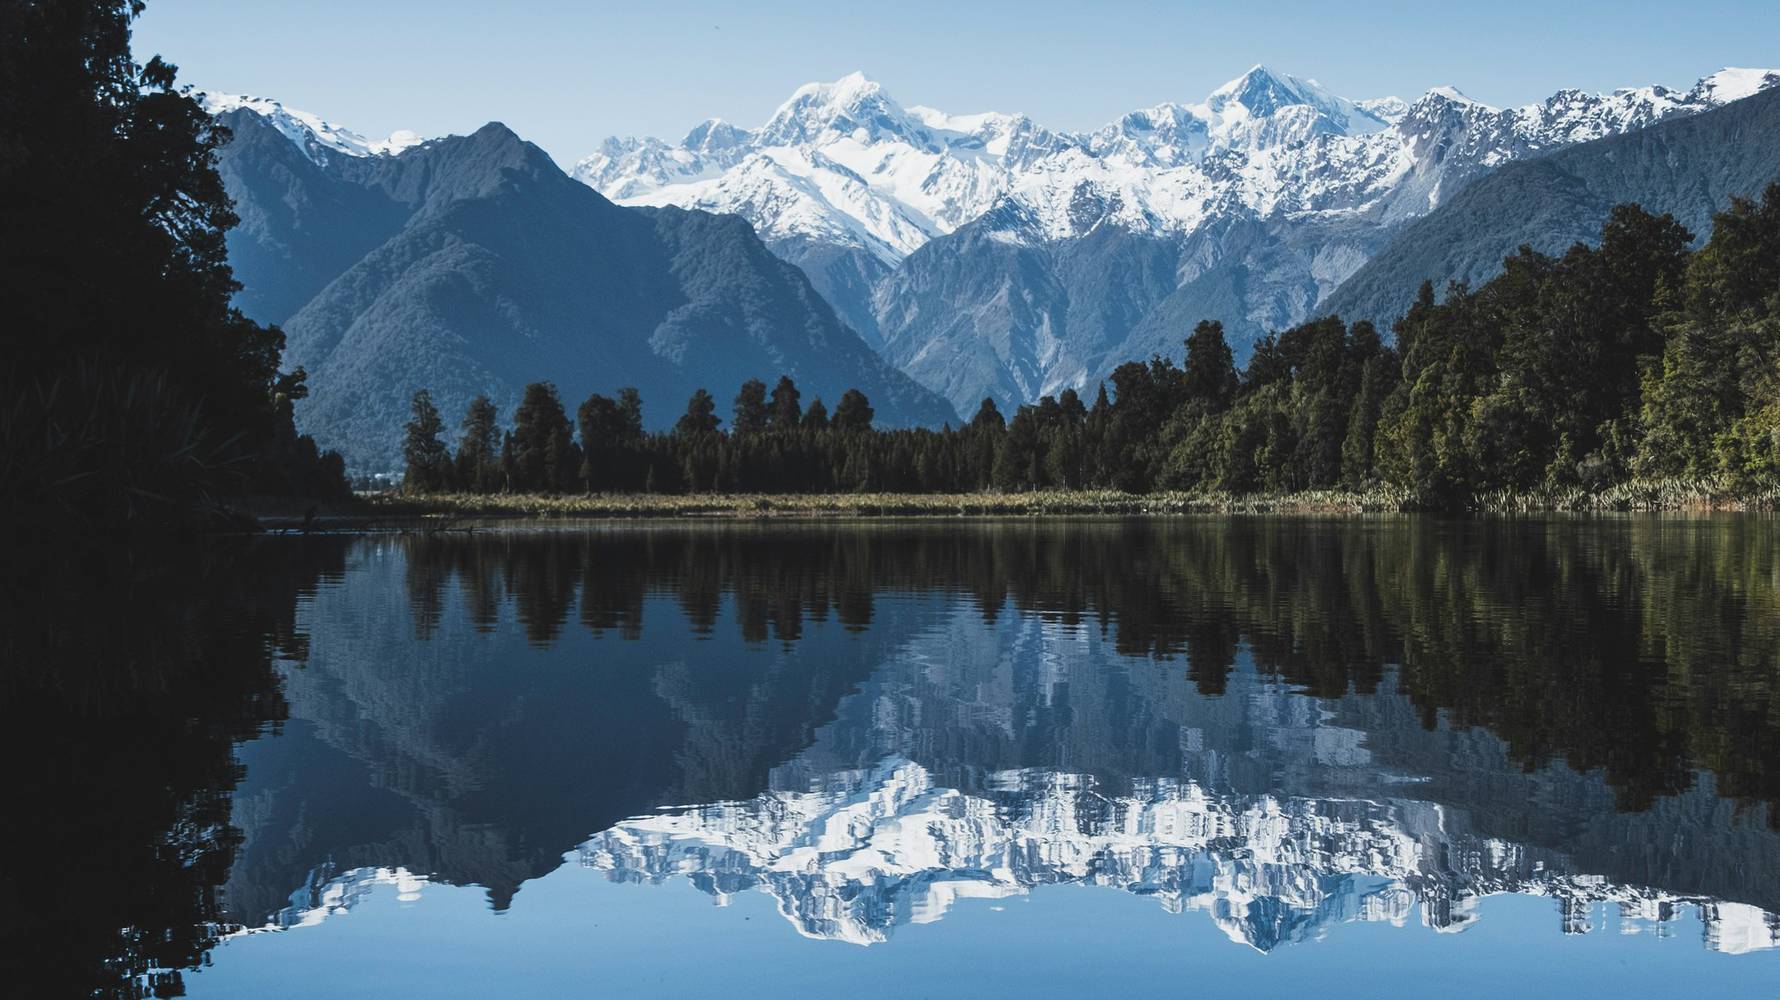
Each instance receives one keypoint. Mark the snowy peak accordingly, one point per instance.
(864, 852)
(1389, 110)
(317, 139)
(846, 165)
(1733, 84)
(852, 107)
(1259, 91)
(715, 135)
(1262, 93)
(1453, 95)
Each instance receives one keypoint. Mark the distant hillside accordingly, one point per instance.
(472, 264)
(1690, 167)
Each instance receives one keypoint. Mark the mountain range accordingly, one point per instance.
(473, 264)
(1690, 168)
(978, 255)
(989, 255)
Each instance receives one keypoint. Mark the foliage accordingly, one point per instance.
(1606, 373)
(148, 395)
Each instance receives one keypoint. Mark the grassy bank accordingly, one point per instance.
(428, 512)
(432, 510)
(1047, 502)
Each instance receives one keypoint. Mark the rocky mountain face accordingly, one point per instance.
(472, 264)
(1690, 168)
(989, 255)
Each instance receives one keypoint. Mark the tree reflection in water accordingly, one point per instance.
(1595, 697)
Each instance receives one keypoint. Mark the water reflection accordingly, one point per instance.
(126, 685)
(1274, 724)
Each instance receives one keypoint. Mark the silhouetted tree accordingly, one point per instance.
(853, 413)
(137, 391)
(544, 454)
(700, 417)
(751, 414)
(428, 464)
(784, 411)
(479, 448)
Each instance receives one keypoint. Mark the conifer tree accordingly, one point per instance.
(1210, 375)
(630, 412)
(853, 413)
(604, 432)
(544, 457)
(700, 417)
(478, 448)
(428, 463)
(751, 413)
(785, 412)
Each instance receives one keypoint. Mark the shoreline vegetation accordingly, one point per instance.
(1641, 374)
(464, 511)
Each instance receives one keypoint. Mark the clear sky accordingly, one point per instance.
(566, 74)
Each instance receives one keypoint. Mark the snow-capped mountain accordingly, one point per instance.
(845, 162)
(988, 255)
(867, 851)
(1253, 205)
(317, 139)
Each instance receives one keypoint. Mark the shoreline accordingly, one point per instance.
(435, 512)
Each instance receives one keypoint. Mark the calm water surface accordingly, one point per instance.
(1211, 757)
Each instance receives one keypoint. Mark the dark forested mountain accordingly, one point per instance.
(1690, 168)
(472, 264)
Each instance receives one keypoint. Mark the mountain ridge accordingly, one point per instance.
(1689, 167)
(1252, 206)
(487, 268)
(1269, 194)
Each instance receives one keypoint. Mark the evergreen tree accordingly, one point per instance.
(1210, 374)
(751, 414)
(700, 417)
(1711, 403)
(853, 413)
(1019, 462)
(816, 417)
(478, 448)
(544, 454)
(605, 433)
(630, 411)
(428, 463)
(987, 418)
(784, 411)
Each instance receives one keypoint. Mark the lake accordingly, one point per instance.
(1192, 756)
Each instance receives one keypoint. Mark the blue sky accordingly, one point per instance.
(567, 74)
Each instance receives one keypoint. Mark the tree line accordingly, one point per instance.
(1635, 359)
(1678, 673)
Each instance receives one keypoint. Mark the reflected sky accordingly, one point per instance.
(1258, 756)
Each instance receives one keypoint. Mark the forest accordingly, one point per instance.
(137, 398)
(1640, 359)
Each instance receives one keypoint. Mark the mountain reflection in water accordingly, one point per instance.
(1280, 724)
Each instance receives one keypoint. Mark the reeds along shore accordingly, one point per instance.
(393, 508)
